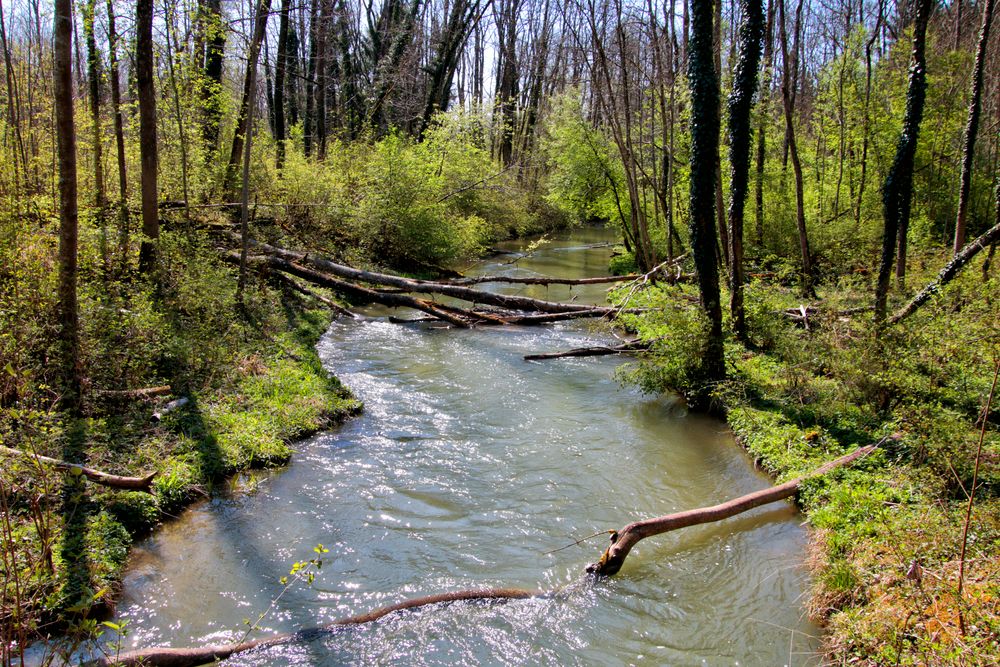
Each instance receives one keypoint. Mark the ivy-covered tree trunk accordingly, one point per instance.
(897, 191)
(147, 133)
(704, 144)
(116, 103)
(69, 333)
(740, 133)
(972, 127)
(215, 46)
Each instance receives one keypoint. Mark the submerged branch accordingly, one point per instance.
(622, 541)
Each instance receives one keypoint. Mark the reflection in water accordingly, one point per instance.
(468, 465)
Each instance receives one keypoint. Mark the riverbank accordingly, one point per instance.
(238, 384)
(888, 532)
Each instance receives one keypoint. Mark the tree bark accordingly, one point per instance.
(897, 191)
(740, 134)
(624, 540)
(69, 333)
(147, 134)
(972, 126)
(704, 145)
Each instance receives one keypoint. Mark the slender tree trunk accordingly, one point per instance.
(788, 103)
(147, 133)
(972, 127)
(242, 127)
(94, 90)
(740, 134)
(309, 121)
(116, 103)
(279, 87)
(765, 98)
(720, 206)
(13, 106)
(172, 50)
(66, 137)
(704, 145)
(866, 122)
(897, 190)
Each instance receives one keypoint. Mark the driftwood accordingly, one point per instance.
(596, 351)
(131, 394)
(95, 476)
(950, 270)
(189, 657)
(541, 280)
(175, 404)
(623, 541)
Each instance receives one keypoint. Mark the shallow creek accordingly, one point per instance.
(467, 466)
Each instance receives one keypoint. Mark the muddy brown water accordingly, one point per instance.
(467, 466)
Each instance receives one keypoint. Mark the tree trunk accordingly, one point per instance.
(897, 190)
(279, 87)
(972, 127)
(704, 146)
(765, 97)
(788, 102)
(94, 90)
(242, 125)
(147, 133)
(215, 47)
(69, 333)
(740, 134)
(116, 103)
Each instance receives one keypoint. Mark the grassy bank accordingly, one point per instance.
(887, 532)
(254, 385)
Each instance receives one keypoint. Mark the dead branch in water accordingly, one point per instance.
(595, 351)
(95, 476)
(622, 541)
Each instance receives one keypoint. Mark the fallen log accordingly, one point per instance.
(595, 351)
(96, 476)
(540, 280)
(130, 394)
(189, 657)
(510, 302)
(950, 270)
(350, 289)
(622, 541)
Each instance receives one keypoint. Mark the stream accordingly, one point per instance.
(466, 467)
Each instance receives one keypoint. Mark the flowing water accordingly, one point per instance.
(467, 466)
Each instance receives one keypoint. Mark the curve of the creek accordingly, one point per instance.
(466, 467)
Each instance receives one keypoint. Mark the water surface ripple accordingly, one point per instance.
(467, 465)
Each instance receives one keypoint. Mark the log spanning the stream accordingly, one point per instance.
(355, 276)
(200, 655)
(622, 541)
(595, 351)
(95, 476)
(338, 277)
